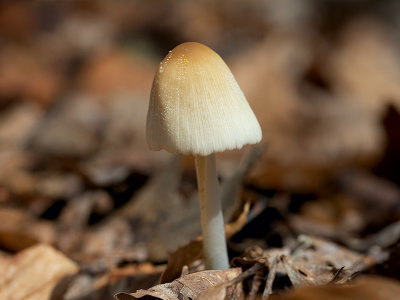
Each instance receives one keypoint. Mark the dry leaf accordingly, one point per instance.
(33, 273)
(307, 274)
(317, 262)
(312, 262)
(184, 256)
(189, 286)
(214, 293)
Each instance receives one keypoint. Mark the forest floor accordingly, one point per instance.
(87, 211)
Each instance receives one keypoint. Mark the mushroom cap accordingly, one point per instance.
(196, 106)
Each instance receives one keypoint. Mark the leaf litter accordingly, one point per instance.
(312, 215)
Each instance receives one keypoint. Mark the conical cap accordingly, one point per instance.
(196, 106)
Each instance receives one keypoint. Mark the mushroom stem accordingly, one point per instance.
(212, 221)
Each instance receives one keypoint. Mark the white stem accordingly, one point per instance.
(212, 221)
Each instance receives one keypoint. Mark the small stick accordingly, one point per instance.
(256, 283)
(270, 279)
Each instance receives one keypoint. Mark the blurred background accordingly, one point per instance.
(322, 76)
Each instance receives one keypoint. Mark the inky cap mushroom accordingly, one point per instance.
(196, 106)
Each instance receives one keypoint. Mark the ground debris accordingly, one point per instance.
(200, 285)
(34, 272)
(308, 213)
(312, 261)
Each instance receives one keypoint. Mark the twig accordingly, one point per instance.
(255, 285)
(270, 278)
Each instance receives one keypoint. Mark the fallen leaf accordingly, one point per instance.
(317, 262)
(184, 256)
(33, 273)
(214, 293)
(311, 261)
(189, 286)
(321, 252)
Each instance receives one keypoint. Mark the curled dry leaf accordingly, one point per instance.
(33, 273)
(191, 286)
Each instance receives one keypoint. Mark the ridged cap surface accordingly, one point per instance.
(196, 106)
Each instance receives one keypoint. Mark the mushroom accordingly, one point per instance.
(197, 107)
